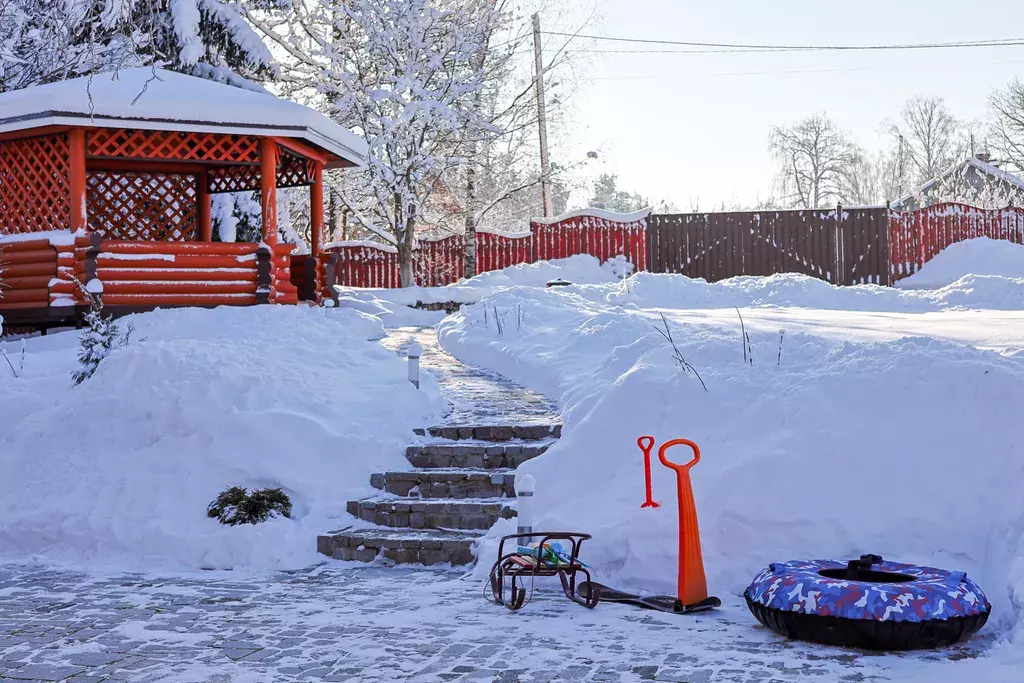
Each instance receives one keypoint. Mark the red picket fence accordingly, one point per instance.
(591, 231)
(495, 250)
(442, 261)
(915, 237)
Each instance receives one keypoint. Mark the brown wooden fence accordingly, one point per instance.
(842, 246)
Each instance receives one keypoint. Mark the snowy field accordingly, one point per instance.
(860, 419)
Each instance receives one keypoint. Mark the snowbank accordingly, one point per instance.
(649, 290)
(906, 448)
(978, 256)
(391, 305)
(119, 470)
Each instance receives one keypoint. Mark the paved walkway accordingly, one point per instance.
(475, 396)
(338, 622)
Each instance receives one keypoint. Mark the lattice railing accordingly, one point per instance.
(142, 206)
(292, 171)
(127, 143)
(233, 179)
(34, 177)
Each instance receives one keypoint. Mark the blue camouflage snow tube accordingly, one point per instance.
(867, 603)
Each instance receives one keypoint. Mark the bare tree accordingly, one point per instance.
(816, 161)
(930, 137)
(1007, 109)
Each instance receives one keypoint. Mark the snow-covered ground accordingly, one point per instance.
(119, 470)
(888, 423)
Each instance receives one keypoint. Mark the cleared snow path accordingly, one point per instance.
(475, 396)
(336, 623)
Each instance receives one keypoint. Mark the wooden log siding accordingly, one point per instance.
(915, 237)
(26, 270)
(173, 273)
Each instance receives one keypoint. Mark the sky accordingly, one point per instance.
(693, 129)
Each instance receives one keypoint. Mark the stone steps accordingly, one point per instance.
(442, 513)
(481, 455)
(401, 546)
(494, 433)
(463, 483)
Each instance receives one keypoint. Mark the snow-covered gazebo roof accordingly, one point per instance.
(157, 99)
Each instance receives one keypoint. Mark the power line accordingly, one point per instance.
(747, 47)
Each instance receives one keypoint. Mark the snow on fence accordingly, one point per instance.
(497, 250)
(441, 261)
(915, 237)
(599, 233)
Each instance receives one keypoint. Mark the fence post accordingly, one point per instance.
(840, 276)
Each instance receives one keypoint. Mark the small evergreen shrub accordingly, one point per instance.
(100, 336)
(235, 505)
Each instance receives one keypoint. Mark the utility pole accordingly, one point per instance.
(542, 119)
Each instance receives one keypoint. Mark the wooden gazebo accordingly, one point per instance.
(107, 183)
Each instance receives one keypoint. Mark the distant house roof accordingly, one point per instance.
(981, 165)
(157, 99)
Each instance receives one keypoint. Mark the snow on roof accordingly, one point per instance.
(985, 167)
(157, 99)
(598, 213)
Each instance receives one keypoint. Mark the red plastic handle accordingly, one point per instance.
(681, 468)
(646, 443)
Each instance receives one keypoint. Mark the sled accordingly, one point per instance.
(514, 567)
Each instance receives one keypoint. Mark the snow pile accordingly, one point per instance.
(649, 290)
(978, 256)
(120, 469)
(903, 448)
(391, 305)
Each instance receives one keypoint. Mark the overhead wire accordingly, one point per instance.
(751, 47)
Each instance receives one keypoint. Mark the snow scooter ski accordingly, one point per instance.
(664, 603)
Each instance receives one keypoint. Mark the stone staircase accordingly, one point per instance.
(462, 481)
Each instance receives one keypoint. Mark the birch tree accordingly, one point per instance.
(816, 161)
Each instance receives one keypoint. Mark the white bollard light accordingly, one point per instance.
(525, 486)
(415, 351)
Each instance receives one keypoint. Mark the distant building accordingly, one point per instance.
(976, 181)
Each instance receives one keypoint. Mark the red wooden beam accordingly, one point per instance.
(76, 157)
(32, 132)
(204, 203)
(304, 150)
(142, 166)
(268, 189)
(316, 208)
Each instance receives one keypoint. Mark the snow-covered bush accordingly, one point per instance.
(101, 335)
(235, 505)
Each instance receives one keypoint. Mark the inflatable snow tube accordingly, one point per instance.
(867, 603)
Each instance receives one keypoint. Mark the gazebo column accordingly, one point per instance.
(316, 209)
(268, 189)
(76, 159)
(204, 204)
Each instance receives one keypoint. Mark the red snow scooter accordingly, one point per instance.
(692, 595)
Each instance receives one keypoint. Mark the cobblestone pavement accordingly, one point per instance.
(476, 396)
(339, 622)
